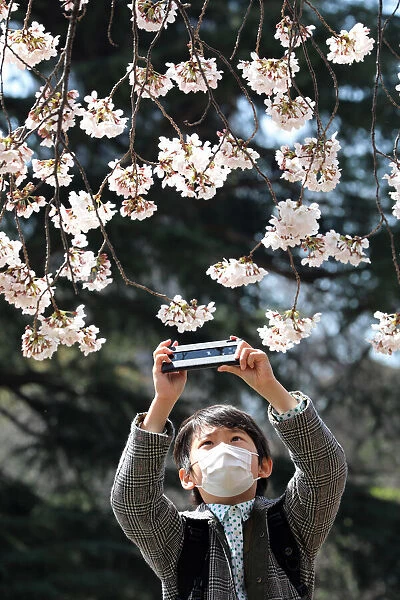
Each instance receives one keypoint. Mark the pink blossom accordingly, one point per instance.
(286, 329)
(46, 113)
(131, 181)
(99, 274)
(89, 342)
(37, 345)
(189, 167)
(24, 290)
(53, 174)
(291, 34)
(186, 316)
(350, 46)
(9, 251)
(233, 273)
(151, 15)
(14, 155)
(28, 47)
(287, 113)
(233, 153)
(68, 5)
(100, 119)
(387, 337)
(6, 9)
(147, 83)
(82, 216)
(347, 249)
(78, 264)
(138, 208)
(24, 202)
(192, 75)
(294, 223)
(269, 75)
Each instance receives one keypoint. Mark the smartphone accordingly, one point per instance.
(202, 356)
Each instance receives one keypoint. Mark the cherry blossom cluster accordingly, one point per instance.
(85, 213)
(45, 115)
(233, 273)
(269, 75)
(288, 113)
(294, 223)
(394, 181)
(151, 16)
(350, 46)
(69, 4)
(6, 8)
(195, 75)
(147, 82)
(387, 337)
(82, 265)
(54, 172)
(186, 316)
(343, 248)
(313, 163)
(24, 201)
(291, 34)
(286, 329)
(60, 328)
(28, 47)
(100, 119)
(14, 155)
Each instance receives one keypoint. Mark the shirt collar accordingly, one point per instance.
(220, 510)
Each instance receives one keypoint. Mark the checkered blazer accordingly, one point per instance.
(153, 523)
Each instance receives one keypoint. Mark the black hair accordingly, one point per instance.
(219, 415)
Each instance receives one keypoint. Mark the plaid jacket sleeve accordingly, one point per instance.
(146, 516)
(314, 492)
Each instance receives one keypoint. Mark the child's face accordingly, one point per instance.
(210, 437)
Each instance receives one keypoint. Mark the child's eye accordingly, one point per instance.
(205, 443)
(236, 438)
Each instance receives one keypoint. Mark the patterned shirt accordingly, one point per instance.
(233, 517)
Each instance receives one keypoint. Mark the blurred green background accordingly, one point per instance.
(64, 421)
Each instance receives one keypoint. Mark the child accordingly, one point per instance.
(223, 456)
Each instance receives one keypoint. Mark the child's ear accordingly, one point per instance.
(265, 469)
(186, 480)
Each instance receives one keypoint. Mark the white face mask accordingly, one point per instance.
(226, 470)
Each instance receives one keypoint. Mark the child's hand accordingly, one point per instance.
(255, 368)
(168, 386)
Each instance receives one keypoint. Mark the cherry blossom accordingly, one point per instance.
(5, 9)
(69, 4)
(99, 274)
(269, 75)
(317, 249)
(61, 328)
(78, 264)
(46, 113)
(82, 216)
(131, 181)
(100, 119)
(52, 173)
(346, 249)
(138, 208)
(188, 166)
(192, 75)
(186, 316)
(147, 83)
(394, 180)
(233, 153)
(294, 223)
(313, 163)
(24, 290)
(151, 16)
(24, 201)
(9, 251)
(287, 113)
(350, 46)
(286, 329)
(14, 155)
(290, 34)
(387, 336)
(233, 273)
(36, 345)
(28, 47)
